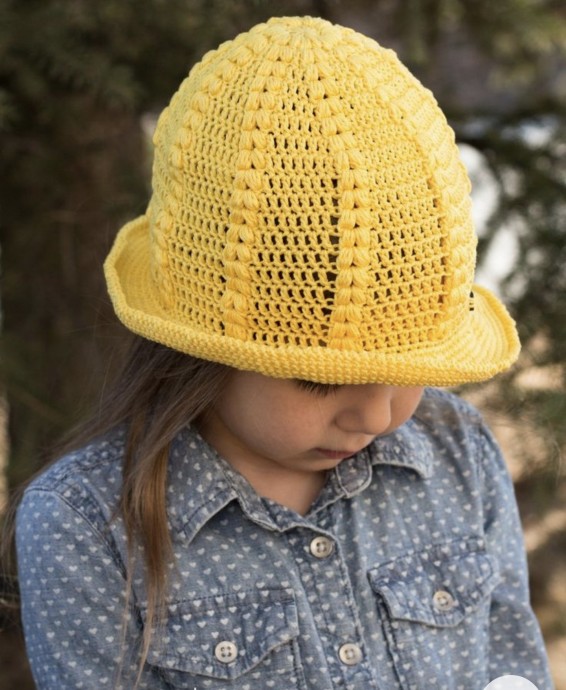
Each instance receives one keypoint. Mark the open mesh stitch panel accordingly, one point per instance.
(304, 210)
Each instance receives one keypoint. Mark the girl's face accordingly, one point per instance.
(282, 428)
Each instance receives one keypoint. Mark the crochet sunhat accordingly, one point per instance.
(310, 219)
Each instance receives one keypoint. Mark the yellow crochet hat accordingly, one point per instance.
(310, 219)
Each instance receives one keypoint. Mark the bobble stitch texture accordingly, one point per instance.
(310, 218)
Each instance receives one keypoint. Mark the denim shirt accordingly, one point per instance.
(408, 572)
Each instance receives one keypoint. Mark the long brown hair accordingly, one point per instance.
(158, 392)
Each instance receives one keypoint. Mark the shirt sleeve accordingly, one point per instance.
(78, 631)
(517, 647)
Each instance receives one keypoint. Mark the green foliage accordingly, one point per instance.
(75, 79)
(76, 76)
(511, 107)
(517, 36)
(525, 154)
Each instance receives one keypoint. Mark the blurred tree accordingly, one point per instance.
(76, 78)
(498, 70)
(519, 128)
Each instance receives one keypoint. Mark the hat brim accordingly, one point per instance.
(484, 344)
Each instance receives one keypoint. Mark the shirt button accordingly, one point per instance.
(226, 651)
(350, 654)
(443, 601)
(321, 547)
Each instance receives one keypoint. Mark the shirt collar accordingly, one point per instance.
(201, 483)
(408, 446)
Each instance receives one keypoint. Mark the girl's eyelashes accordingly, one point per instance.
(321, 389)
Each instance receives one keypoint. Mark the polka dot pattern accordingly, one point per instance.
(416, 579)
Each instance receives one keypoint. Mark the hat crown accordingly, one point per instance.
(307, 191)
(310, 219)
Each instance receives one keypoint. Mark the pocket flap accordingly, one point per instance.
(227, 635)
(439, 586)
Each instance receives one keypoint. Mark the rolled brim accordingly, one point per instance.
(484, 344)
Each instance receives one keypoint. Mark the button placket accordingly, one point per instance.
(332, 597)
(321, 547)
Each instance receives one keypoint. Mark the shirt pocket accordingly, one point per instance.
(435, 607)
(246, 640)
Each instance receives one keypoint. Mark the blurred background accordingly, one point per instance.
(80, 86)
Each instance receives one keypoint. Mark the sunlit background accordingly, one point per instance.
(80, 85)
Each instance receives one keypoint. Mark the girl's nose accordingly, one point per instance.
(367, 410)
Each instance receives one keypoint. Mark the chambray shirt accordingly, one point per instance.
(408, 572)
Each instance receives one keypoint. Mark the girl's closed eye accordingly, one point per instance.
(321, 389)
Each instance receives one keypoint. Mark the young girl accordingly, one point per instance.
(272, 498)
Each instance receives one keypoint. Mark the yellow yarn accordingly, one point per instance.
(310, 219)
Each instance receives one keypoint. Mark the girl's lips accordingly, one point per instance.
(335, 454)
